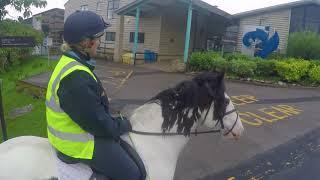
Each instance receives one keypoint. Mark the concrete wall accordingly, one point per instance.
(279, 20)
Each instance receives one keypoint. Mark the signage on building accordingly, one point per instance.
(259, 41)
(47, 42)
(17, 41)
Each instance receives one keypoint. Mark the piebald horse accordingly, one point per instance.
(161, 129)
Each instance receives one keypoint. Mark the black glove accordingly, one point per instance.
(125, 125)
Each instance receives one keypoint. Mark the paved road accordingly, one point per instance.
(272, 117)
(298, 159)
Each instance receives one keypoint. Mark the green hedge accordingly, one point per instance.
(207, 61)
(243, 69)
(266, 68)
(314, 74)
(287, 70)
(293, 70)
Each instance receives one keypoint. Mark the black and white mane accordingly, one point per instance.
(183, 104)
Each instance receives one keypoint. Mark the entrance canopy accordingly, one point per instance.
(141, 8)
(156, 5)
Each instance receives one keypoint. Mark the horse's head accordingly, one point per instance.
(200, 101)
(221, 112)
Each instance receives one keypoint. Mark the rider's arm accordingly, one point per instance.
(79, 97)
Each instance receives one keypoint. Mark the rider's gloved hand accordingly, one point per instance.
(125, 125)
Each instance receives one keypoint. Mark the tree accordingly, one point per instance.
(21, 6)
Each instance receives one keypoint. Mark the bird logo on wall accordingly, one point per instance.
(264, 45)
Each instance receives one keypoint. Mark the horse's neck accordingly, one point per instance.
(159, 153)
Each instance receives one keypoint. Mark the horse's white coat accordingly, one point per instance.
(27, 158)
(32, 157)
(159, 151)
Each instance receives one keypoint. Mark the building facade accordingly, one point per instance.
(285, 19)
(162, 26)
(51, 23)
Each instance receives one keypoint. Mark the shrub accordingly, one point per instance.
(236, 56)
(304, 45)
(314, 74)
(276, 56)
(292, 70)
(266, 68)
(315, 63)
(243, 68)
(207, 61)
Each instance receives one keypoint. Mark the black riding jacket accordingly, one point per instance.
(85, 101)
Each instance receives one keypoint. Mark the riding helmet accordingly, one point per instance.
(83, 24)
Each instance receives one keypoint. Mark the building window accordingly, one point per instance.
(84, 8)
(305, 18)
(140, 37)
(110, 36)
(112, 6)
(99, 4)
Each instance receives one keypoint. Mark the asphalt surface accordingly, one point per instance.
(206, 157)
(298, 159)
(281, 139)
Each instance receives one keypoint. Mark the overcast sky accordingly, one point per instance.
(230, 6)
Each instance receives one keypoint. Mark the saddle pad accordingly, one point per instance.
(73, 171)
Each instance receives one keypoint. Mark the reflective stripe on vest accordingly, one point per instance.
(85, 137)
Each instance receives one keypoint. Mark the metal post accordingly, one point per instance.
(188, 32)
(48, 56)
(3, 122)
(135, 48)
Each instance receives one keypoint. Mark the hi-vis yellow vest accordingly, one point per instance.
(64, 134)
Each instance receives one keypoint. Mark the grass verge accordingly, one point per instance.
(34, 122)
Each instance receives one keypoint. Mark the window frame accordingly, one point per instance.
(112, 35)
(141, 37)
(84, 7)
(111, 8)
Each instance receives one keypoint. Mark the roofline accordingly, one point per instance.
(211, 8)
(199, 3)
(276, 7)
(129, 7)
(47, 11)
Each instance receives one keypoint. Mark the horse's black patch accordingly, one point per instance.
(192, 96)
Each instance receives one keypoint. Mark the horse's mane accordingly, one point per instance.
(182, 104)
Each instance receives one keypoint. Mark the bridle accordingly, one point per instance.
(196, 131)
(204, 120)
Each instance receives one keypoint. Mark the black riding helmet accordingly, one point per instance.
(83, 24)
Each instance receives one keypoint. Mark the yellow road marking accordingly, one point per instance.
(125, 79)
(270, 115)
(248, 119)
(109, 82)
(273, 113)
(243, 100)
(231, 178)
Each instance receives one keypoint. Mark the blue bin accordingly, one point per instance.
(146, 56)
(149, 56)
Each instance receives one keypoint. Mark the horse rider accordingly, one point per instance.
(80, 126)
